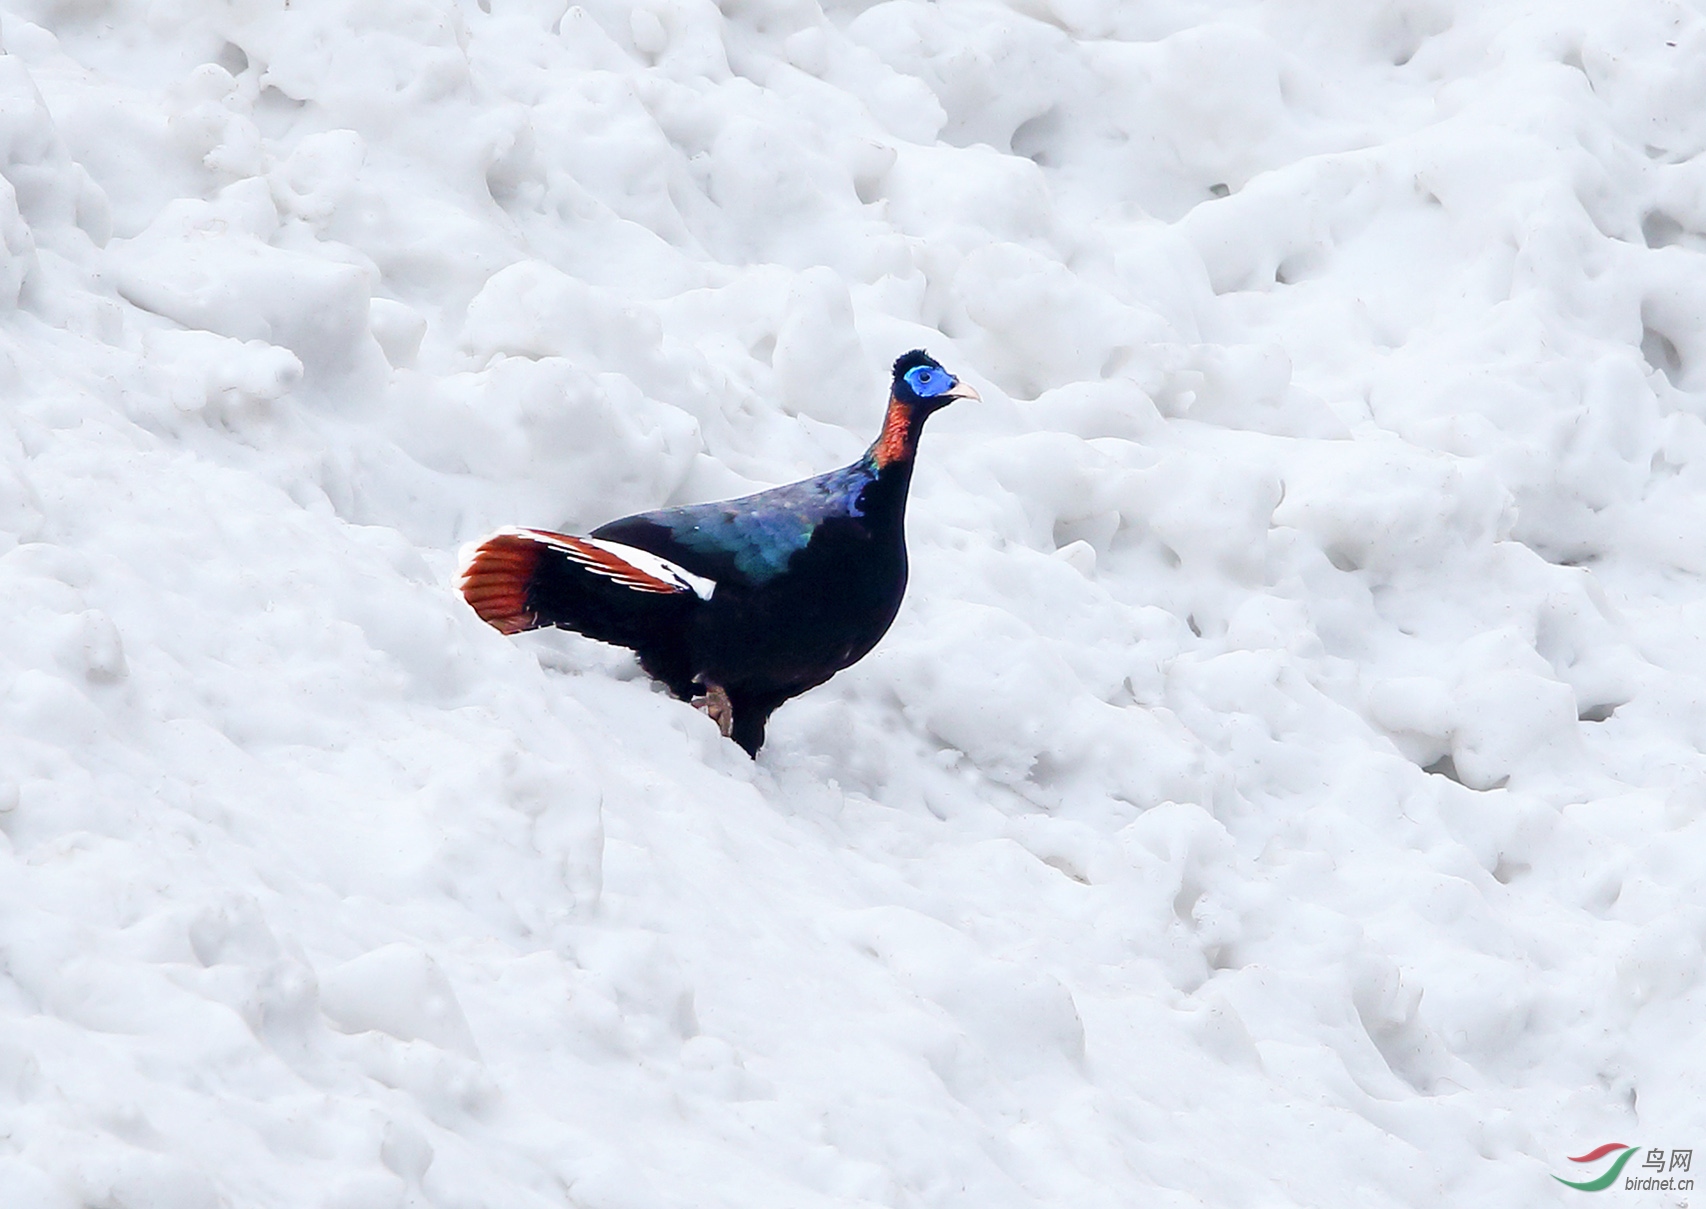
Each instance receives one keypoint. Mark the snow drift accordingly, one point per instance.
(1283, 785)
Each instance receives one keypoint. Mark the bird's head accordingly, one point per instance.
(923, 386)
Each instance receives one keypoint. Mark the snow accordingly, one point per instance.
(1284, 783)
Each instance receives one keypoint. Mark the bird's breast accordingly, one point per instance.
(836, 599)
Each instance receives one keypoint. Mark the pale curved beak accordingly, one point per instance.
(962, 391)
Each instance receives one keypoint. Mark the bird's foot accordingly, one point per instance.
(717, 706)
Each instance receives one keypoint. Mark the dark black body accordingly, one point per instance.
(766, 642)
(763, 642)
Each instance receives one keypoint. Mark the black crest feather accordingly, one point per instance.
(912, 360)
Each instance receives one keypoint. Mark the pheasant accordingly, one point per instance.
(740, 605)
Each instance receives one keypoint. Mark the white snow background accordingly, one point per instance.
(1282, 786)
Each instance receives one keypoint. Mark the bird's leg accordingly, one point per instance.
(715, 702)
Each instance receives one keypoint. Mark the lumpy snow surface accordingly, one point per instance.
(1283, 784)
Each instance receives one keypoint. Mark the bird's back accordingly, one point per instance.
(750, 540)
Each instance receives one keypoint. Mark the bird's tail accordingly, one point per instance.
(496, 576)
(521, 579)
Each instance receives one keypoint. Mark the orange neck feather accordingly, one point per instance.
(899, 438)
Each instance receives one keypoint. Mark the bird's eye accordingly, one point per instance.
(927, 381)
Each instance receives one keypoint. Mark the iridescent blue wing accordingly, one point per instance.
(748, 540)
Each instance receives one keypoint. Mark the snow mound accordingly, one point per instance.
(1283, 785)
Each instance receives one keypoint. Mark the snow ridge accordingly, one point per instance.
(1283, 785)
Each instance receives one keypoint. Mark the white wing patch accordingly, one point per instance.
(627, 566)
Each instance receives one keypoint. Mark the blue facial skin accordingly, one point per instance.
(927, 381)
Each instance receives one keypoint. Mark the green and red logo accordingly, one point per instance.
(1657, 1173)
(1593, 1156)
